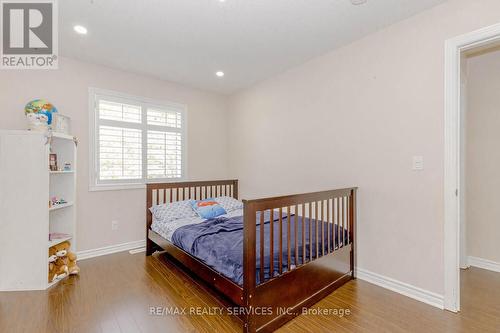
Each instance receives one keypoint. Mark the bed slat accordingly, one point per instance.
(328, 225)
(316, 227)
(296, 246)
(261, 246)
(338, 222)
(288, 250)
(341, 212)
(321, 218)
(310, 233)
(271, 241)
(280, 253)
(303, 235)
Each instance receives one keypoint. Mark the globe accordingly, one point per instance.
(40, 106)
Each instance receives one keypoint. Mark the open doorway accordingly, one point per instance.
(480, 176)
(459, 51)
(480, 179)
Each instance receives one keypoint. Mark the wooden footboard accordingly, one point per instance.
(308, 268)
(316, 269)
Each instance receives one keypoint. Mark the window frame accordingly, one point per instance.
(95, 94)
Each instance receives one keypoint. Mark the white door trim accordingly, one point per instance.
(452, 131)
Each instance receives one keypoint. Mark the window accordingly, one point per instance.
(135, 141)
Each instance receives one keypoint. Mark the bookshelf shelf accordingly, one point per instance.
(59, 241)
(56, 207)
(61, 172)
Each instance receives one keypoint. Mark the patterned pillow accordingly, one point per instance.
(229, 204)
(208, 208)
(173, 211)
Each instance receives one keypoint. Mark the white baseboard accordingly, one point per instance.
(484, 264)
(402, 288)
(87, 254)
(138, 250)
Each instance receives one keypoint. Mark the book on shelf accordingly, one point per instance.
(58, 235)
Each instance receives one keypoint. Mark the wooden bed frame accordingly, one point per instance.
(287, 293)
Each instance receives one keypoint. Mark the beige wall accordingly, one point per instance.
(483, 157)
(67, 89)
(355, 117)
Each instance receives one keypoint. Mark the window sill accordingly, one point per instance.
(117, 187)
(132, 186)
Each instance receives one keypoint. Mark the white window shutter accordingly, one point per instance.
(137, 141)
(120, 153)
(164, 155)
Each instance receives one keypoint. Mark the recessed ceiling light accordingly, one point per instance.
(80, 29)
(358, 2)
(219, 74)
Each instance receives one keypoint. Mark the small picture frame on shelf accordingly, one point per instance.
(53, 162)
(61, 123)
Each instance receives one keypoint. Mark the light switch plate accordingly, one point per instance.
(418, 163)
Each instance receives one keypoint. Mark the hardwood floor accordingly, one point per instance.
(115, 294)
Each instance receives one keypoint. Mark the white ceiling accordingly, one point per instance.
(187, 41)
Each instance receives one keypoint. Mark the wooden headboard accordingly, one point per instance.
(159, 193)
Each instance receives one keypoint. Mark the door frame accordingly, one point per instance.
(453, 131)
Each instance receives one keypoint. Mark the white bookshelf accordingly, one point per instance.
(26, 219)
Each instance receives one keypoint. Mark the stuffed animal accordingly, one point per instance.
(68, 257)
(52, 272)
(62, 249)
(52, 254)
(73, 269)
(60, 266)
(60, 269)
(52, 266)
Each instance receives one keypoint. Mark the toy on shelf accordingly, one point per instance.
(61, 123)
(54, 201)
(52, 265)
(58, 235)
(57, 267)
(37, 122)
(52, 272)
(39, 113)
(52, 254)
(60, 270)
(53, 162)
(67, 258)
(73, 268)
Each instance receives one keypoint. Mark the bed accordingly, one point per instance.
(272, 257)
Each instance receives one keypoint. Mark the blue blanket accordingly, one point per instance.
(219, 243)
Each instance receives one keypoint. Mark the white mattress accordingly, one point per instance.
(167, 229)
